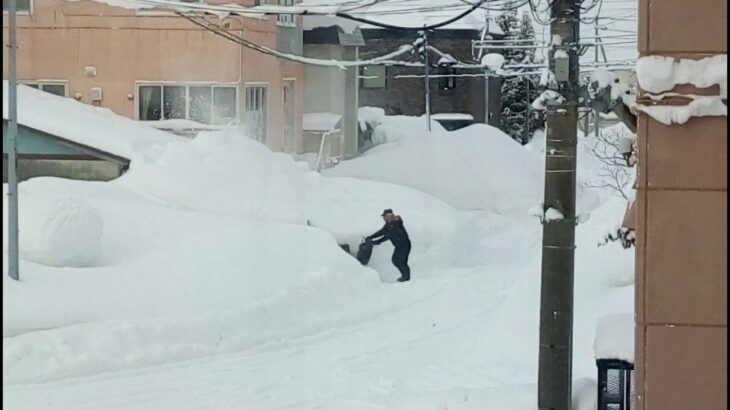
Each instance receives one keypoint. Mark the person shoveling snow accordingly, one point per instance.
(395, 232)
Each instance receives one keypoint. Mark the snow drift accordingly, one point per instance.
(475, 168)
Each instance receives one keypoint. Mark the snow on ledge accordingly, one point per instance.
(700, 106)
(615, 338)
(452, 117)
(181, 125)
(658, 74)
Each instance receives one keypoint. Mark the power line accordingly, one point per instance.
(381, 60)
(402, 28)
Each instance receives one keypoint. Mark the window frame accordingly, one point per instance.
(41, 83)
(186, 85)
(450, 81)
(252, 85)
(19, 12)
(286, 20)
(289, 140)
(363, 80)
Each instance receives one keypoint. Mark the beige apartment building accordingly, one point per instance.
(154, 66)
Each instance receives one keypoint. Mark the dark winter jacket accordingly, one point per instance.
(393, 231)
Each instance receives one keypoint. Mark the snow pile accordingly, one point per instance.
(658, 74)
(82, 123)
(70, 235)
(370, 117)
(475, 168)
(57, 231)
(615, 337)
(268, 186)
(394, 128)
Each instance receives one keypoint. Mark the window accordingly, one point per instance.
(287, 20)
(21, 6)
(207, 104)
(372, 76)
(52, 87)
(289, 114)
(447, 83)
(256, 112)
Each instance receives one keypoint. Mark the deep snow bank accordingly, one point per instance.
(225, 172)
(475, 168)
(183, 277)
(213, 233)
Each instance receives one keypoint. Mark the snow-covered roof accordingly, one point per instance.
(95, 127)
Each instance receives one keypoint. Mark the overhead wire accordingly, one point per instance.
(387, 59)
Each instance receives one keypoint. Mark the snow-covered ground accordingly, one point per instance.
(210, 276)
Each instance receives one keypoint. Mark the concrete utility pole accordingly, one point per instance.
(13, 260)
(558, 243)
(426, 79)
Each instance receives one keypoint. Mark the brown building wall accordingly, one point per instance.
(405, 96)
(59, 39)
(681, 264)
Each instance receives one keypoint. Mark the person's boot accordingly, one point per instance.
(403, 279)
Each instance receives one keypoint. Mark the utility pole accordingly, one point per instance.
(528, 113)
(596, 118)
(558, 243)
(13, 260)
(485, 35)
(427, 80)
